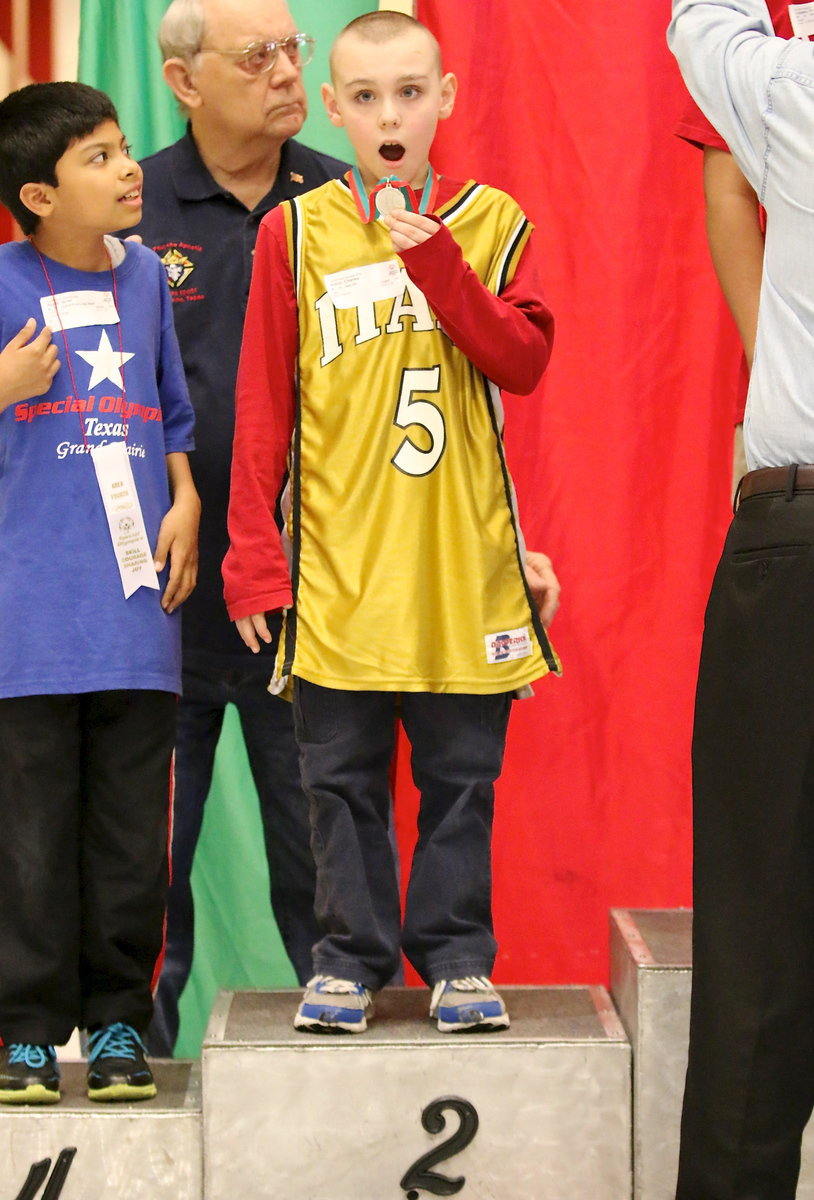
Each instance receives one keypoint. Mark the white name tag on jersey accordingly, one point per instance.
(75, 310)
(508, 644)
(802, 20)
(114, 475)
(362, 285)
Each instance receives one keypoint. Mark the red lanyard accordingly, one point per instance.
(68, 362)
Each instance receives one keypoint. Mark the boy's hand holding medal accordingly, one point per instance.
(409, 229)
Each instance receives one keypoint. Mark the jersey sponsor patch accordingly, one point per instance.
(508, 644)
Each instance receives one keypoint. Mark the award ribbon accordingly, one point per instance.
(391, 194)
(114, 475)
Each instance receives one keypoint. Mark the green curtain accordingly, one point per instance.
(118, 53)
(237, 944)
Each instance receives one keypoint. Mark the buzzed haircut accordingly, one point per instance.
(384, 26)
(37, 125)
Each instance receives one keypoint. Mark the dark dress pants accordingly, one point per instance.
(750, 1081)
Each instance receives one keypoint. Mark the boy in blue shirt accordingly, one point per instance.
(98, 535)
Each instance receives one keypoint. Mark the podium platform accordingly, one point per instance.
(573, 1102)
(540, 1110)
(145, 1151)
(651, 980)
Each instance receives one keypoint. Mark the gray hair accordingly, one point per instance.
(181, 31)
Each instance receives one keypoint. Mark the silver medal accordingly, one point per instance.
(389, 200)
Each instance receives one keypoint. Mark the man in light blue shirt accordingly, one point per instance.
(750, 1081)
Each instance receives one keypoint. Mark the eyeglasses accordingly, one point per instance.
(260, 57)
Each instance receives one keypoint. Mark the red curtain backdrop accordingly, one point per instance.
(5, 23)
(6, 223)
(28, 63)
(622, 459)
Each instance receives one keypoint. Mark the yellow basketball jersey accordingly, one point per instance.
(406, 550)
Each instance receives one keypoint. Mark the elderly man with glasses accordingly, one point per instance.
(235, 67)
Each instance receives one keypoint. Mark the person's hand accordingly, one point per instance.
(178, 541)
(409, 229)
(543, 585)
(27, 366)
(251, 628)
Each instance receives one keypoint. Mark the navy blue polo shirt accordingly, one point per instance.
(205, 238)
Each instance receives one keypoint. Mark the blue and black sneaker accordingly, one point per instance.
(117, 1069)
(333, 1006)
(29, 1074)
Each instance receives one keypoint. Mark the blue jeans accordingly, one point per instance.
(346, 743)
(268, 731)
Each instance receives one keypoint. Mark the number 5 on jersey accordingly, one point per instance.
(409, 457)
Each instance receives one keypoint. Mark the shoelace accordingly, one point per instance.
(470, 983)
(114, 1041)
(32, 1056)
(337, 987)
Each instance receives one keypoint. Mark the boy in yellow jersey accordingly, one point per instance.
(386, 311)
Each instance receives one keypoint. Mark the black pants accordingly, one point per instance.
(346, 744)
(84, 798)
(750, 1082)
(268, 730)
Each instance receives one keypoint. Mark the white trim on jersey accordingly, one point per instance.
(511, 247)
(297, 231)
(462, 205)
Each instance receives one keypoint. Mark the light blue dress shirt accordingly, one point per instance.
(758, 92)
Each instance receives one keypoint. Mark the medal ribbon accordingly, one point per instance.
(366, 204)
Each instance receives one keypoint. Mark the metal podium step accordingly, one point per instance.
(541, 1110)
(145, 1151)
(651, 978)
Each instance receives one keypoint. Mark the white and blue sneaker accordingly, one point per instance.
(334, 1006)
(469, 1005)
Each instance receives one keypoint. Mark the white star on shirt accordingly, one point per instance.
(106, 362)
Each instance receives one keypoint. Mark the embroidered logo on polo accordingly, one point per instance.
(179, 260)
(178, 267)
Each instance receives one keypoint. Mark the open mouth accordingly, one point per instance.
(134, 195)
(392, 151)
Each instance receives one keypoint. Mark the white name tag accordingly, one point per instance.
(508, 644)
(361, 285)
(78, 309)
(802, 20)
(124, 517)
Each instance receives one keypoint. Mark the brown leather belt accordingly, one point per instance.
(779, 480)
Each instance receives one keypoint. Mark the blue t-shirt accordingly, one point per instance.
(65, 626)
